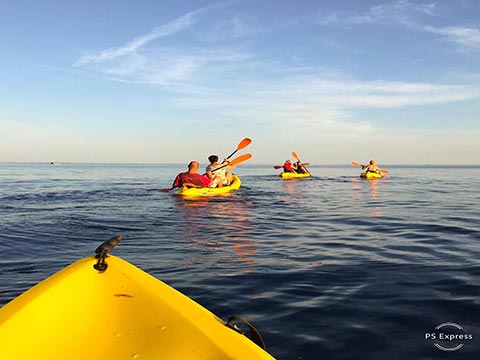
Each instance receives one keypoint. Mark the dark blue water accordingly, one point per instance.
(331, 267)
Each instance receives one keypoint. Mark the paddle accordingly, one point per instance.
(363, 166)
(241, 145)
(281, 167)
(235, 161)
(294, 154)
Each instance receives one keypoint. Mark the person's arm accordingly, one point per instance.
(209, 173)
(176, 182)
(228, 167)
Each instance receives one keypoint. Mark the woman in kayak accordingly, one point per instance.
(219, 178)
(301, 169)
(371, 167)
(191, 178)
(288, 167)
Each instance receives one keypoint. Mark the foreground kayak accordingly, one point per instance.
(287, 175)
(119, 312)
(370, 175)
(235, 185)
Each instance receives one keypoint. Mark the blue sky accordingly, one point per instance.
(171, 81)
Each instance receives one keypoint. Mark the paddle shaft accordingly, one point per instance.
(364, 166)
(294, 154)
(241, 145)
(235, 161)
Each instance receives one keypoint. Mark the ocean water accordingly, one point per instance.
(330, 267)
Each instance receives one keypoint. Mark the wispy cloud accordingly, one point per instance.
(177, 25)
(320, 103)
(409, 14)
(402, 11)
(464, 36)
(214, 76)
(170, 28)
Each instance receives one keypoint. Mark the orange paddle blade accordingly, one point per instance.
(294, 154)
(277, 167)
(384, 171)
(355, 163)
(244, 143)
(240, 159)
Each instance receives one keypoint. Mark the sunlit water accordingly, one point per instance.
(331, 267)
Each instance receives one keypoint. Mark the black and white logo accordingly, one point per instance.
(449, 336)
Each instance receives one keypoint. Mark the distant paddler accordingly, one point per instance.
(289, 167)
(371, 167)
(371, 170)
(299, 165)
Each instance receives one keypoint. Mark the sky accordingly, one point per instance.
(169, 81)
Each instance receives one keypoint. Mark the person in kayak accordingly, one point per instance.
(300, 168)
(191, 178)
(371, 167)
(220, 177)
(288, 167)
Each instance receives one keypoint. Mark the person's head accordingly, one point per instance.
(193, 166)
(213, 159)
(372, 162)
(288, 162)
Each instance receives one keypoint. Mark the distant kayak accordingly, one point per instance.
(120, 312)
(370, 175)
(235, 185)
(289, 175)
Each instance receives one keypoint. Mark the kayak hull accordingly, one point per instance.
(121, 313)
(370, 175)
(287, 175)
(235, 185)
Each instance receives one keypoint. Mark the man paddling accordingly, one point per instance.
(288, 167)
(191, 178)
(371, 167)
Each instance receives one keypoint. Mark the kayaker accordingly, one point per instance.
(220, 177)
(191, 178)
(371, 167)
(288, 167)
(301, 169)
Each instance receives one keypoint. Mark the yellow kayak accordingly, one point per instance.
(287, 175)
(119, 313)
(235, 185)
(370, 175)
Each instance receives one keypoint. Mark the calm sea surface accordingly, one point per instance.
(331, 267)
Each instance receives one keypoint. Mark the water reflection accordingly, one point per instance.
(373, 195)
(291, 188)
(217, 230)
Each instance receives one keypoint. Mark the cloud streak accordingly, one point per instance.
(170, 28)
(408, 14)
(179, 24)
(464, 36)
(402, 11)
